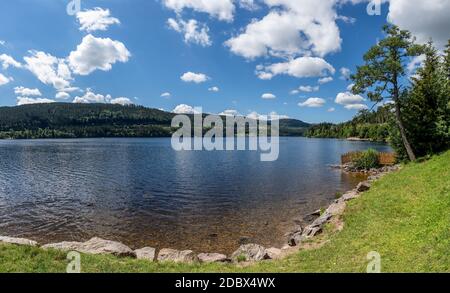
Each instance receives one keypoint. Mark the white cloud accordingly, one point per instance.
(230, 112)
(2, 43)
(214, 89)
(248, 4)
(49, 69)
(331, 109)
(97, 19)
(8, 61)
(97, 53)
(26, 92)
(90, 97)
(268, 96)
(345, 73)
(300, 67)
(62, 96)
(313, 103)
(415, 63)
(294, 92)
(348, 98)
(194, 77)
(221, 9)
(356, 107)
(184, 109)
(291, 28)
(122, 101)
(166, 95)
(4, 80)
(28, 101)
(325, 80)
(193, 31)
(350, 87)
(425, 19)
(309, 89)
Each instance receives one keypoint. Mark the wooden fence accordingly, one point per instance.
(386, 159)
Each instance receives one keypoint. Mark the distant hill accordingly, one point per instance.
(64, 120)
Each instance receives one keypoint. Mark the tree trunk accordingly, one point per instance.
(408, 147)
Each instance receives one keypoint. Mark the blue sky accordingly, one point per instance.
(232, 53)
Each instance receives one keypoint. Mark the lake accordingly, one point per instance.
(143, 193)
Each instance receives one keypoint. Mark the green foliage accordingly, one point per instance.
(367, 160)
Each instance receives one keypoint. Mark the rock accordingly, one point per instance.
(363, 186)
(350, 195)
(212, 257)
(296, 238)
(18, 241)
(250, 252)
(273, 253)
(94, 246)
(336, 209)
(100, 246)
(147, 253)
(64, 246)
(311, 231)
(177, 256)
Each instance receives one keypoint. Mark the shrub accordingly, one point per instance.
(367, 160)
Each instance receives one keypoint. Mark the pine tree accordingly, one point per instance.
(382, 74)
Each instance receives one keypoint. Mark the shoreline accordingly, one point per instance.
(297, 239)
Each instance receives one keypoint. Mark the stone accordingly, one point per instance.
(336, 209)
(212, 257)
(146, 253)
(273, 253)
(311, 231)
(250, 252)
(94, 246)
(363, 186)
(296, 238)
(100, 246)
(350, 195)
(18, 241)
(64, 246)
(177, 256)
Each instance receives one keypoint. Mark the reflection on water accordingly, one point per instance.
(142, 193)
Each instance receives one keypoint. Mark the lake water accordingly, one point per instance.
(143, 193)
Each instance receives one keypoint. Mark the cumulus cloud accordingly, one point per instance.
(299, 67)
(97, 19)
(345, 73)
(90, 97)
(330, 110)
(289, 29)
(8, 61)
(193, 31)
(62, 96)
(268, 96)
(97, 53)
(313, 103)
(122, 101)
(166, 95)
(4, 80)
(325, 80)
(248, 4)
(425, 19)
(230, 112)
(2, 43)
(49, 69)
(214, 89)
(309, 89)
(26, 92)
(351, 101)
(220, 9)
(272, 116)
(184, 109)
(28, 101)
(194, 77)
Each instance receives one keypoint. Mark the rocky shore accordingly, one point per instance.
(297, 239)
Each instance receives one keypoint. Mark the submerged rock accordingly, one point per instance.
(146, 253)
(18, 241)
(212, 257)
(250, 252)
(177, 256)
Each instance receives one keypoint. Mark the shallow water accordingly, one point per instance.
(143, 193)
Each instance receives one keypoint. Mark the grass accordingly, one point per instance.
(405, 217)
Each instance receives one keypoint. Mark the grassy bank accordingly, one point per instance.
(404, 217)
